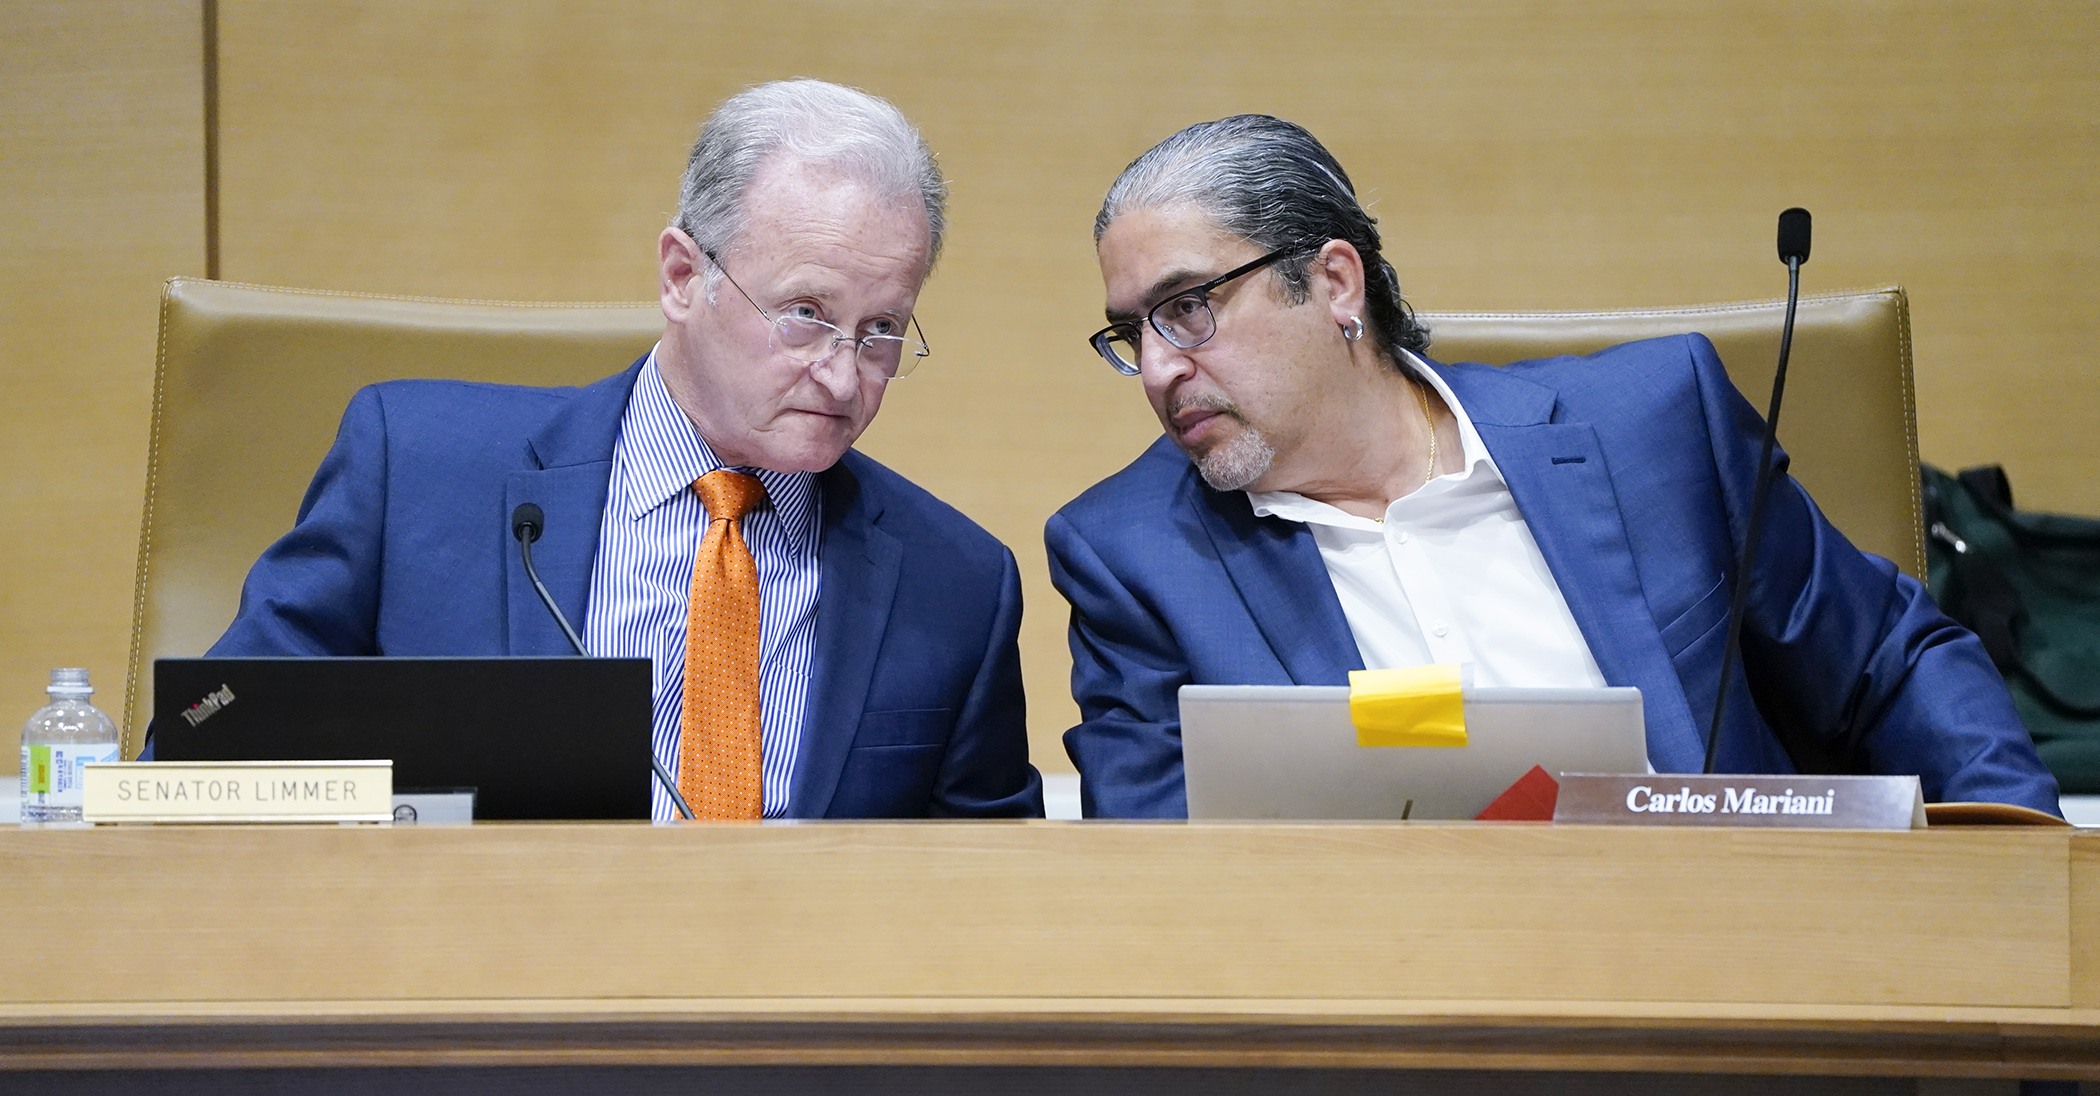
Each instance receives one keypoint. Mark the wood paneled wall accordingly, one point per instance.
(101, 197)
(1520, 155)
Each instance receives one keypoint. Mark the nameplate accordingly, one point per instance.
(238, 791)
(1793, 802)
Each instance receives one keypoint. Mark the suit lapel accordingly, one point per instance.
(1557, 474)
(1276, 568)
(572, 455)
(859, 571)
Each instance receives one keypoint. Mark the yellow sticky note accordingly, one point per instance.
(1415, 706)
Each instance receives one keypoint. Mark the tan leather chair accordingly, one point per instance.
(1850, 418)
(247, 394)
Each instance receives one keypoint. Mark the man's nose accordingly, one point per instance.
(1161, 363)
(839, 371)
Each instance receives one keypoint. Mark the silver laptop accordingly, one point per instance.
(1289, 751)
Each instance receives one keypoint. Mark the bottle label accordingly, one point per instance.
(51, 773)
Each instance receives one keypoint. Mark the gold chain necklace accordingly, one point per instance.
(1422, 394)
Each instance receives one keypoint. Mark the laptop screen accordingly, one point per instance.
(1290, 751)
(536, 738)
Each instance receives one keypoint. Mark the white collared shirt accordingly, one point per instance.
(642, 579)
(1451, 576)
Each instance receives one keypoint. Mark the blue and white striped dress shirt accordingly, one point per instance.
(643, 575)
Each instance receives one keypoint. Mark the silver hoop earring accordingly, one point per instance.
(1353, 330)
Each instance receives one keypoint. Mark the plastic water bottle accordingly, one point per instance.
(61, 737)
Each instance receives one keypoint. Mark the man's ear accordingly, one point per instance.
(679, 266)
(1341, 270)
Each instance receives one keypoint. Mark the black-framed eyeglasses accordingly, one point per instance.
(811, 340)
(1184, 319)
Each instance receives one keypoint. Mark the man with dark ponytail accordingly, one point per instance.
(1327, 498)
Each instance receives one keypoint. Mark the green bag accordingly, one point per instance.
(2028, 585)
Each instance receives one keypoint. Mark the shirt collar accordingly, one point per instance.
(1472, 449)
(1474, 462)
(661, 454)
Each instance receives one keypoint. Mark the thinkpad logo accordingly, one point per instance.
(210, 705)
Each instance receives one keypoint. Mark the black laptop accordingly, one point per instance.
(536, 738)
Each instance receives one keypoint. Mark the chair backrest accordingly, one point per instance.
(1850, 419)
(247, 393)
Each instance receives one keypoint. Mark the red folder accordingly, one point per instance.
(1530, 799)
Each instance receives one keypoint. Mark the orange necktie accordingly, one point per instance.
(718, 742)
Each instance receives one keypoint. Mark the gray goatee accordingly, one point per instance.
(1233, 464)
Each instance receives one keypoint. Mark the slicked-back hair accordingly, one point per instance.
(1274, 184)
(810, 121)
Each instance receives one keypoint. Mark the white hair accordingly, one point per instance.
(809, 121)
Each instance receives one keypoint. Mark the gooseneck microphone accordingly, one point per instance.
(1793, 251)
(526, 523)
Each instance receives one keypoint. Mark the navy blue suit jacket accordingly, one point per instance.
(1634, 469)
(403, 547)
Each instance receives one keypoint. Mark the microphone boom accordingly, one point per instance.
(1794, 227)
(526, 524)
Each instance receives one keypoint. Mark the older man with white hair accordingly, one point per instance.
(829, 640)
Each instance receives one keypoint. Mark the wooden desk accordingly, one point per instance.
(1957, 953)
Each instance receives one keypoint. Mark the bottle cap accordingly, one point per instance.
(72, 681)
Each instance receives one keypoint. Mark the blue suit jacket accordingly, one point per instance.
(1634, 469)
(403, 547)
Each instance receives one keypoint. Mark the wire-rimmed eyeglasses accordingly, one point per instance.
(1184, 319)
(811, 340)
